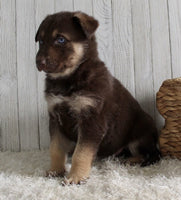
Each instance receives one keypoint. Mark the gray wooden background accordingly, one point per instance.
(139, 40)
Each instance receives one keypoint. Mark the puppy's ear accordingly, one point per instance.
(87, 23)
(37, 34)
(40, 27)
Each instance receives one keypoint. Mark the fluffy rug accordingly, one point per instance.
(22, 177)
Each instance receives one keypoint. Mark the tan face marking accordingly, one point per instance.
(66, 36)
(73, 61)
(42, 34)
(54, 33)
(52, 53)
(78, 53)
(68, 71)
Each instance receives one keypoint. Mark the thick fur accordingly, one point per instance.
(91, 113)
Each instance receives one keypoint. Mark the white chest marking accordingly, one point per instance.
(133, 147)
(80, 103)
(77, 103)
(53, 100)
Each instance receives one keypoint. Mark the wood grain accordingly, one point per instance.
(102, 10)
(27, 77)
(62, 5)
(83, 5)
(161, 60)
(174, 8)
(41, 12)
(142, 55)
(9, 132)
(123, 43)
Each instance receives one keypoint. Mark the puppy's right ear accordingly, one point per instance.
(40, 28)
(37, 34)
(87, 23)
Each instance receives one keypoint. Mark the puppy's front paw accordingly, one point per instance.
(74, 179)
(54, 173)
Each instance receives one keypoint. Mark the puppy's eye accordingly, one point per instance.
(40, 42)
(60, 40)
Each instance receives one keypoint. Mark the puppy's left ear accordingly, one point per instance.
(36, 37)
(88, 23)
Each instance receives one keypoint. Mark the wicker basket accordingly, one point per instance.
(169, 106)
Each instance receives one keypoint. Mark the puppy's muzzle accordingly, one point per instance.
(41, 64)
(46, 65)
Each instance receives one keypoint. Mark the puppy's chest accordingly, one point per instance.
(75, 103)
(68, 110)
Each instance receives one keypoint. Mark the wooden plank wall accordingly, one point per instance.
(139, 40)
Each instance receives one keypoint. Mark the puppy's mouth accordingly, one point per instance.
(41, 67)
(51, 68)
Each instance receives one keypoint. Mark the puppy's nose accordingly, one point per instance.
(43, 61)
(41, 64)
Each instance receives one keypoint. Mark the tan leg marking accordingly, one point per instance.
(134, 160)
(81, 164)
(58, 158)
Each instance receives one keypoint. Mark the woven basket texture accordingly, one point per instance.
(169, 106)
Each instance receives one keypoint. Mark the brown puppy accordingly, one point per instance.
(90, 112)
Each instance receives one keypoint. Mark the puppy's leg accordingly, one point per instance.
(58, 158)
(81, 164)
(59, 147)
(90, 136)
(150, 153)
(149, 149)
(144, 151)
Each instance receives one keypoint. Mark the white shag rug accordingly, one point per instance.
(22, 177)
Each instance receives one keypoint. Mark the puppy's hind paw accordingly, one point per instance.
(133, 161)
(150, 160)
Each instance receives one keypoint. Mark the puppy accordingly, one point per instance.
(90, 112)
